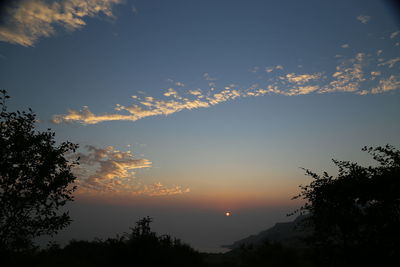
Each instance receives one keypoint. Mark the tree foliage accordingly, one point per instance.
(356, 215)
(35, 179)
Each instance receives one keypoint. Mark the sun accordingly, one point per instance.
(227, 214)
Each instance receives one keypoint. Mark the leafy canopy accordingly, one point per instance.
(356, 213)
(35, 179)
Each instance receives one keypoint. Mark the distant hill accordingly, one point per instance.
(289, 234)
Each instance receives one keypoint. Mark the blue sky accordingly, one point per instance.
(205, 105)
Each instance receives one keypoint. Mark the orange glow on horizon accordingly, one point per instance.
(217, 201)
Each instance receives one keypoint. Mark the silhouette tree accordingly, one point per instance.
(356, 215)
(142, 229)
(35, 180)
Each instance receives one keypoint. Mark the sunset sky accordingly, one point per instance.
(187, 109)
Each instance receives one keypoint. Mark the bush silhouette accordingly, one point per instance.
(140, 247)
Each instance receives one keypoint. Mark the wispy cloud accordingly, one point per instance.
(26, 21)
(364, 19)
(302, 78)
(149, 106)
(271, 69)
(110, 171)
(134, 10)
(391, 62)
(254, 69)
(345, 46)
(361, 74)
(394, 34)
(207, 77)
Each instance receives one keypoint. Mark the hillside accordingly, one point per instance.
(289, 234)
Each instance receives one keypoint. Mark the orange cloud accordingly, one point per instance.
(104, 171)
(30, 20)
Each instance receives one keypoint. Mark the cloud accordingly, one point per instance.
(87, 117)
(176, 83)
(374, 74)
(394, 34)
(26, 21)
(254, 69)
(385, 85)
(348, 76)
(390, 62)
(345, 46)
(360, 74)
(302, 78)
(364, 19)
(195, 92)
(110, 171)
(271, 69)
(150, 106)
(302, 90)
(134, 9)
(207, 77)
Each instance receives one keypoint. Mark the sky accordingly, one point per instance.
(187, 109)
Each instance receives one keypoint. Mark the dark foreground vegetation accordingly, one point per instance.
(352, 219)
(142, 247)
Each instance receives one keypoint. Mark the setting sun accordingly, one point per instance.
(227, 213)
